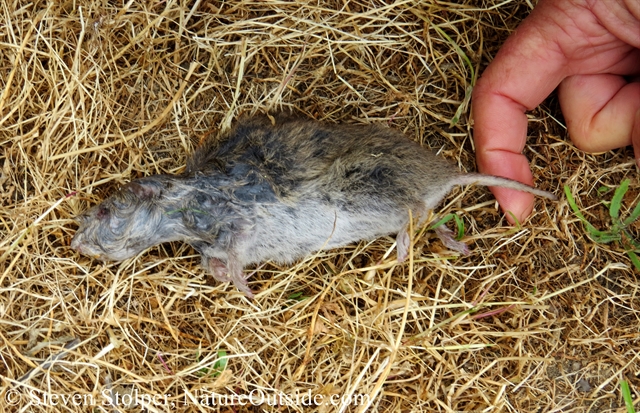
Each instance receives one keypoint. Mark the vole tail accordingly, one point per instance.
(490, 180)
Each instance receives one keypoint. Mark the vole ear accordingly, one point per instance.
(143, 190)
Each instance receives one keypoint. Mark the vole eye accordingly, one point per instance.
(103, 213)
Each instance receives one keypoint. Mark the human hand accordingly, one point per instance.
(587, 47)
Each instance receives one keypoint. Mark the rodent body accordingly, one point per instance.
(278, 192)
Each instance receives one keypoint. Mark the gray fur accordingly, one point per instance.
(278, 192)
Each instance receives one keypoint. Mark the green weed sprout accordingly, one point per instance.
(626, 395)
(467, 92)
(447, 218)
(619, 228)
(217, 368)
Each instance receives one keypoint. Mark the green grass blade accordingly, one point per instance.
(221, 363)
(443, 221)
(518, 225)
(467, 94)
(463, 106)
(605, 237)
(572, 203)
(458, 50)
(635, 245)
(616, 202)
(626, 395)
(460, 226)
(634, 215)
(634, 259)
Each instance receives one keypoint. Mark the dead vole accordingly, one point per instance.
(279, 192)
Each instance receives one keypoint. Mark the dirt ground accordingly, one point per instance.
(538, 318)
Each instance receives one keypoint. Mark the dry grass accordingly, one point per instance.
(94, 95)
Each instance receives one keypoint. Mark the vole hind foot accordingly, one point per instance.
(403, 243)
(239, 279)
(446, 237)
(231, 272)
(217, 268)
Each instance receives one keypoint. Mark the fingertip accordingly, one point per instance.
(516, 205)
(635, 137)
(513, 166)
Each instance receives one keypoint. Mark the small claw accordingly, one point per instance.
(239, 279)
(446, 236)
(244, 287)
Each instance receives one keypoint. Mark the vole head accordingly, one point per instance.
(128, 222)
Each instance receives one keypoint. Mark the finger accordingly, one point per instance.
(513, 166)
(501, 156)
(516, 205)
(599, 110)
(620, 18)
(635, 137)
(628, 64)
(500, 132)
(526, 70)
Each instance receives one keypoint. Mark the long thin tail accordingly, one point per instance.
(490, 180)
